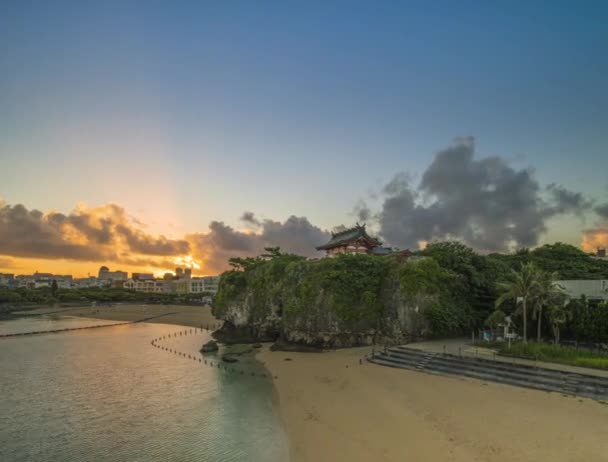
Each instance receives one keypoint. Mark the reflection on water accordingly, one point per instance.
(108, 395)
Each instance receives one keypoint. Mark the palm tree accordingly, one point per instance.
(547, 294)
(522, 285)
(558, 315)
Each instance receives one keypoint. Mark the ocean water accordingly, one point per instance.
(108, 395)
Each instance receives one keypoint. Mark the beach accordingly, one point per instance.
(336, 408)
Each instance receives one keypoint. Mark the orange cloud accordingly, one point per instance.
(595, 238)
(98, 234)
(88, 237)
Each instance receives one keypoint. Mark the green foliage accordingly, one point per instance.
(567, 261)
(496, 319)
(557, 354)
(523, 284)
(45, 296)
(454, 288)
(479, 274)
(443, 294)
(588, 321)
(292, 287)
(355, 282)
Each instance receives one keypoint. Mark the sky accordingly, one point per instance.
(137, 134)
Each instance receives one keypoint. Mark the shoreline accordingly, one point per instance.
(180, 315)
(333, 408)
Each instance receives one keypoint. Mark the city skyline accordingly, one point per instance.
(158, 135)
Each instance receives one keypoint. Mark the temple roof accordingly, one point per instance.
(349, 235)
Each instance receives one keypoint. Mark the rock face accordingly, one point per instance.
(209, 347)
(329, 303)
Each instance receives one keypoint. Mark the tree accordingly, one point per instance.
(558, 316)
(54, 289)
(479, 274)
(547, 294)
(272, 252)
(496, 319)
(521, 285)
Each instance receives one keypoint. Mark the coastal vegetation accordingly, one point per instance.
(446, 289)
(556, 354)
(50, 295)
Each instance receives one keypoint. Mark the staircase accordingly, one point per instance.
(520, 375)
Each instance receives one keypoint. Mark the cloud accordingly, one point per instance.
(602, 210)
(565, 201)
(250, 219)
(7, 263)
(597, 237)
(89, 234)
(108, 234)
(294, 235)
(142, 243)
(362, 212)
(485, 203)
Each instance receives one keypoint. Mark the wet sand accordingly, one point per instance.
(183, 315)
(335, 409)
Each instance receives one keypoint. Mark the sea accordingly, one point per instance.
(110, 395)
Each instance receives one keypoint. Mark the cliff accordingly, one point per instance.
(338, 302)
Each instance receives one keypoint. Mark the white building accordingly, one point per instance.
(147, 285)
(592, 289)
(196, 285)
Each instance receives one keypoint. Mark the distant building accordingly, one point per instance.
(357, 241)
(6, 279)
(592, 289)
(600, 254)
(205, 284)
(106, 275)
(142, 276)
(174, 286)
(40, 280)
(88, 283)
(147, 285)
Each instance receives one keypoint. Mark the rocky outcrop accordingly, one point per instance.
(328, 303)
(209, 347)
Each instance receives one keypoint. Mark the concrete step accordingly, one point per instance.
(494, 371)
(511, 367)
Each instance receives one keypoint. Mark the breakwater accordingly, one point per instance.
(214, 360)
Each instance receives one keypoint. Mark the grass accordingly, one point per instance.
(556, 354)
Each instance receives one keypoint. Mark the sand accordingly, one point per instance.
(182, 315)
(336, 409)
